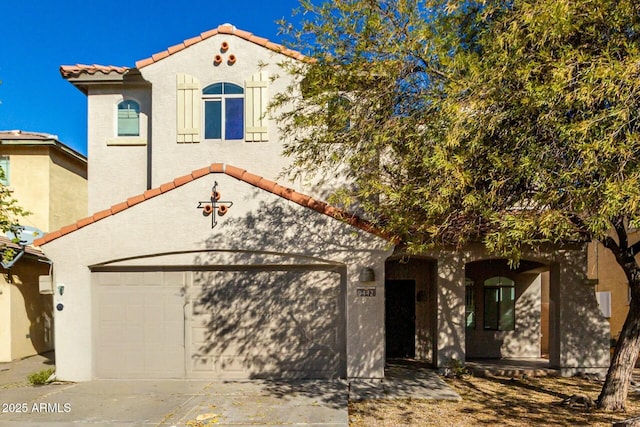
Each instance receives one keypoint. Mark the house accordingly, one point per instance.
(611, 285)
(201, 261)
(49, 179)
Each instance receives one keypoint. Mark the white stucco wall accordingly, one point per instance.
(258, 221)
(170, 159)
(116, 171)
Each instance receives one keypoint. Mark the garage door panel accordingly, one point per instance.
(266, 324)
(139, 325)
(239, 324)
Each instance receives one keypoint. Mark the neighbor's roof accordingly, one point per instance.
(22, 138)
(68, 71)
(240, 174)
(29, 250)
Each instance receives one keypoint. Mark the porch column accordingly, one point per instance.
(579, 341)
(450, 341)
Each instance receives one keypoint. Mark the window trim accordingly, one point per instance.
(128, 100)
(499, 287)
(222, 97)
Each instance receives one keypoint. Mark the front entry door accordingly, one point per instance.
(400, 318)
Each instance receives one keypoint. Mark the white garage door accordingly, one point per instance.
(232, 324)
(139, 320)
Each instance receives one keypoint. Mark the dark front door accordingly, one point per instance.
(400, 318)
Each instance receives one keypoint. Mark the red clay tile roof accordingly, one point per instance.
(240, 174)
(222, 29)
(68, 71)
(75, 70)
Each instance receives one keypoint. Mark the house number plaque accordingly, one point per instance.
(366, 292)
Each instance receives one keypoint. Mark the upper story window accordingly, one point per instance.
(223, 111)
(4, 165)
(128, 118)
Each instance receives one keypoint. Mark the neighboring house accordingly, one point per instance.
(611, 285)
(197, 264)
(48, 179)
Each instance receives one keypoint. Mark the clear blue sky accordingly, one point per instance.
(37, 36)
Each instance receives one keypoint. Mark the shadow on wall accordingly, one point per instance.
(32, 313)
(503, 316)
(272, 301)
(582, 332)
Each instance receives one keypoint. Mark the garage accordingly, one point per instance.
(241, 322)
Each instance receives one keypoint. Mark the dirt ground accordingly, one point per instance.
(496, 401)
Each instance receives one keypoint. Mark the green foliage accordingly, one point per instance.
(39, 378)
(512, 123)
(10, 211)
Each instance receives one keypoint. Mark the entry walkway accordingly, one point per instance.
(404, 379)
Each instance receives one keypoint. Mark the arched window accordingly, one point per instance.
(223, 111)
(128, 118)
(499, 303)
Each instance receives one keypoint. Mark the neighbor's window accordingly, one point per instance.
(128, 118)
(470, 305)
(499, 304)
(223, 111)
(4, 165)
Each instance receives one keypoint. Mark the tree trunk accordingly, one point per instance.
(616, 385)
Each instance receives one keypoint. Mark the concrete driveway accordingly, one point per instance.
(168, 402)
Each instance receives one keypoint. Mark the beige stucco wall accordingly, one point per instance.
(27, 316)
(258, 221)
(578, 331)
(524, 340)
(603, 266)
(31, 312)
(30, 182)
(67, 190)
(5, 320)
(50, 185)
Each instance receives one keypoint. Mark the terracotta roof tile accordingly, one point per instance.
(216, 168)
(235, 172)
(68, 229)
(200, 172)
(266, 184)
(222, 29)
(75, 70)
(84, 221)
(181, 180)
(167, 186)
(152, 193)
(135, 200)
(119, 207)
(102, 214)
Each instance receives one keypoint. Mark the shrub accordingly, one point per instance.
(39, 378)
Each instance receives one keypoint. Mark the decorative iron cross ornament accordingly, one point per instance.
(215, 206)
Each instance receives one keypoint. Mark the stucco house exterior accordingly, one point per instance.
(202, 261)
(49, 179)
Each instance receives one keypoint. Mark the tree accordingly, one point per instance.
(512, 122)
(10, 211)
